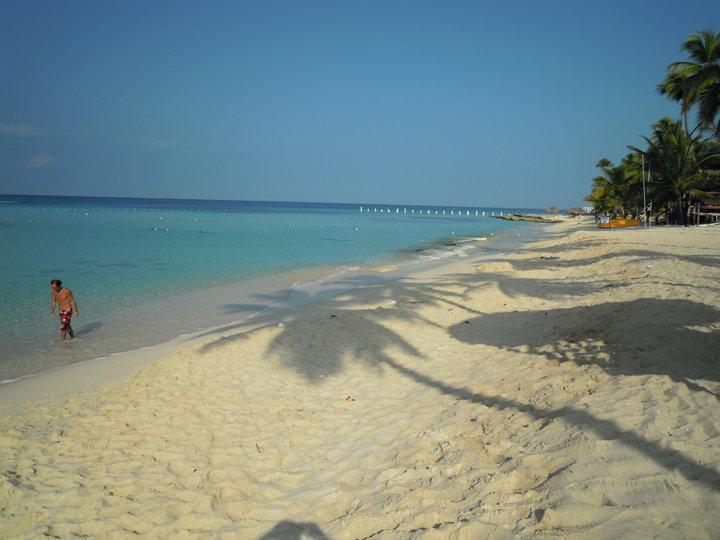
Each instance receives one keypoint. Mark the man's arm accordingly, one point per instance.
(75, 309)
(53, 303)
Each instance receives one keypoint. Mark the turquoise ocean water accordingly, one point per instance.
(146, 270)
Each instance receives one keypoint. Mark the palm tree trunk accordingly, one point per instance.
(684, 208)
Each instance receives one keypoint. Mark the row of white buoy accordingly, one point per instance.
(224, 210)
(421, 211)
(386, 209)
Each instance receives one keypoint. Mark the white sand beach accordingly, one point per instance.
(571, 388)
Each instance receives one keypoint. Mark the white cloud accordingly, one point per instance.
(38, 161)
(11, 130)
(85, 133)
(152, 142)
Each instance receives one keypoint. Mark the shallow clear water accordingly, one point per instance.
(137, 266)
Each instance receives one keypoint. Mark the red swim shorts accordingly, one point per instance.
(65, 316)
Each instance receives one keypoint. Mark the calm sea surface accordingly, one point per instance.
(146, 270)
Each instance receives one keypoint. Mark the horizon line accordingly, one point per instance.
(386, 204)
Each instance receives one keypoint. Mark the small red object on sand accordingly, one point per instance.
(349, 398)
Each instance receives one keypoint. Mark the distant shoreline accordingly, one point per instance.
(528, 218)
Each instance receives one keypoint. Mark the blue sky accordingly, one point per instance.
(467, 103)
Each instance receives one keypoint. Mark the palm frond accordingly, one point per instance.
(709, 107)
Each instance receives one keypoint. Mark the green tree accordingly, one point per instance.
(618, 190)
(696, 81)
(678, 162)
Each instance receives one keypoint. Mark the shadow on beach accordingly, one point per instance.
(293, 530)
(602, 429)
(639, 337)
(349, 294)
(636, 255)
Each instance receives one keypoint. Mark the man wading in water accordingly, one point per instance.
(65, 301)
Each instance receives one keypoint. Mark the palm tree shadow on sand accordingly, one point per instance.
(615, 336)
(349, 295)
(350, 336)
(602, 429)
(676, 338)
(359, 335)
(294, 530)
(362, 340)
(636, 255)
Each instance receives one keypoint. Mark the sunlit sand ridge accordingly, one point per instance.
(572, 387)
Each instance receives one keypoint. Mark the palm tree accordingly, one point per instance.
(674, 89)
(677, 159)
(697, 80)
(617, 190)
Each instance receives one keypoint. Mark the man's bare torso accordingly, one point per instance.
(64, 298)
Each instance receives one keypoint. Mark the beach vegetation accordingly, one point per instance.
(616, 190)
(679, 165)
(695, 82)
(677, 162)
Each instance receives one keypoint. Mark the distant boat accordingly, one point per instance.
(619, 223)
